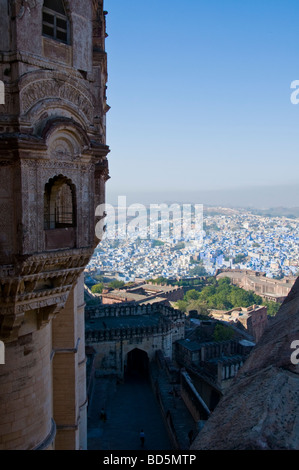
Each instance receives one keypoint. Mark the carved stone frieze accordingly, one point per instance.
(47, 89)
(50, 165)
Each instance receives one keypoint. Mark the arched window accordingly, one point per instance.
(55, 21)
(59, 204)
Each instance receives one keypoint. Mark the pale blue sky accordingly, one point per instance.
(200, 95)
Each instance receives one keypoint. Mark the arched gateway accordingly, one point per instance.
(126, 338)
(137, 362)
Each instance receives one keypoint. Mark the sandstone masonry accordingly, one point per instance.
(53, 169)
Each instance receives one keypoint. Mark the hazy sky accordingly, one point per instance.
(200, 96)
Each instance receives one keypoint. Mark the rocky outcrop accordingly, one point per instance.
(261, 408)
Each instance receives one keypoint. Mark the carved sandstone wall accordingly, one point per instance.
(53, 170)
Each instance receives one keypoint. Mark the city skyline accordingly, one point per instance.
(262, 243)
(200, 102)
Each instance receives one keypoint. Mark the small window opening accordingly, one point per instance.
(55, 22)
(59, 204)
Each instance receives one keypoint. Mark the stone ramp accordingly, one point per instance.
(175, 412)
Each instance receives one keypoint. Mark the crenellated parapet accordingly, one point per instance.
(125, 309)
(126, 333)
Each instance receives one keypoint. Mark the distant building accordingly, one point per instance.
(269, 289)
(254, 319)
(144, 294)
(212, 364)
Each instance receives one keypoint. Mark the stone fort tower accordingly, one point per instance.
(53, 169)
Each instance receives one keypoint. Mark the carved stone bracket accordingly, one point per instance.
(39, 283)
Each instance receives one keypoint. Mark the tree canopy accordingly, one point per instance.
(97, 288)
(223, 333)
(116, 284)
(198, 270)
(221, 295)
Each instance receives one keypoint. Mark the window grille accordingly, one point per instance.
(55, 22)
(59, 205)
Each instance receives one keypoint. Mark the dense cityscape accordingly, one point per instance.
(231, 238)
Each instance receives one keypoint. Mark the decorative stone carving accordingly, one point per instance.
(47, 89)
(39, 282)
(62, 150)
(37, 91)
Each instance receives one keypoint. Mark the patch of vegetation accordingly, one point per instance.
(157, 243)
(116, 284)
(211, 227)
(220, 295)
(158, 281)
(179, 246)
(223, 333)
(198, 270)
(272, 307)
(97, 288)
(239, 259)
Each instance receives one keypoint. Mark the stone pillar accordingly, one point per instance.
(69, 376)
(25, 393)
(82, 390)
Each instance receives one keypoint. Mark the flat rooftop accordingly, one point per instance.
(190, 345)
(123, 295)
(153, 288)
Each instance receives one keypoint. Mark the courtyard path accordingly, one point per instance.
(130, 407)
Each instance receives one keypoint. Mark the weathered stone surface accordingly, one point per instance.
(261, 409)
(53, 169)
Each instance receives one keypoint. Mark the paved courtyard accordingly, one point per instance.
(130, 407)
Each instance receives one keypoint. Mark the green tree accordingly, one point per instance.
(223, 333)
(182, 305)
(116, 284)
(97, 288)
(157, 243)
(239, 259)
(198, 270)
(160, 280)
(198, 306)
(224, 281)
(222, 295)
(191, 295)
(272, 307)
